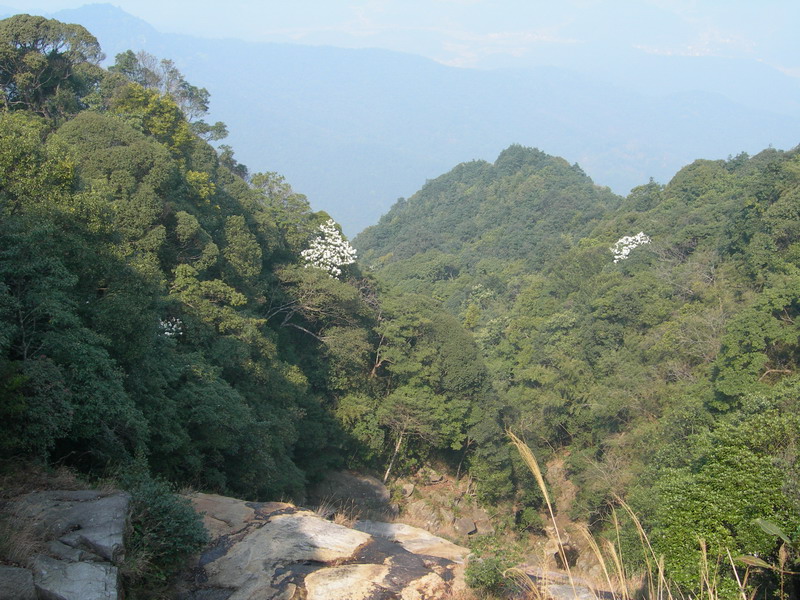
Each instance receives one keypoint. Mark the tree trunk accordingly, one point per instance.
(396, 451)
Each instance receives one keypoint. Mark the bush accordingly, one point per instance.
(492, 555)
(165, 530)
(486, 574)
(529, 519)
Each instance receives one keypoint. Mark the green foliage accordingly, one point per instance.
(147, 295)
(529, 519)
(486, 574)
(491, 557)
(30, 172)
(155, 115)
(642, 371)
(165, 531)
(154, 303)
(46, 66)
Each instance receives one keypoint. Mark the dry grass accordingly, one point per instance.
(533, 465)
(17, 479)
(20, 539)
(345, 513)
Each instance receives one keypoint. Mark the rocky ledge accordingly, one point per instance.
(277, 551)
(258, 550)
(79, 535)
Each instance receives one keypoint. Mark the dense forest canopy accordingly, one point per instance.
(160, 306)
(650, 340)
(156, 300)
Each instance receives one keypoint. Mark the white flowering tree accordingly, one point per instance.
(329, 251)
(626, 244)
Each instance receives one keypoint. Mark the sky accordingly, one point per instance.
(486, 33)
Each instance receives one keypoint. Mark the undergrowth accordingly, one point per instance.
(722, 577)
(164, 531)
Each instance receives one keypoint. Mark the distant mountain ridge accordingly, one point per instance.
(355, 129)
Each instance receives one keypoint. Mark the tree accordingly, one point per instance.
(432, 374)
(164, 77)
(46, 66)
(329, 251)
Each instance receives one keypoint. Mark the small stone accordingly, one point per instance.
(407, 490)
(484, 527)
(465, 526)
(434, 476)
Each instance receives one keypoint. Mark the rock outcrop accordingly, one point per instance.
(80, 540)
(414, 539)
(259, 550)
(270, 550)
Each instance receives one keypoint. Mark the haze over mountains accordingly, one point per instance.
(356, 129)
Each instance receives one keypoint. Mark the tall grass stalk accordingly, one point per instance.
(533, 465)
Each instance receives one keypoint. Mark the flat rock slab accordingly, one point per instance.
(558, 586)
(86, 519)
(60, 580)
(16, 584)
(347, 582)
(251, 558)
(224, 516)
(567, 592)
(414, 539)
(274, 551)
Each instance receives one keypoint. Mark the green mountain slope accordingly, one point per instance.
(659, 372)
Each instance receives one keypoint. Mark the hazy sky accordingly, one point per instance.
(486, 33)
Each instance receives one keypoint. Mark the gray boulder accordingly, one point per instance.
(82, 534)
(86, 520)
(275, 551)
(60, 580)
(465, 526)
(16, 584)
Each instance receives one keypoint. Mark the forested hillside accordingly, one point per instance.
(160, 304)
(163, 310)
(651, 340)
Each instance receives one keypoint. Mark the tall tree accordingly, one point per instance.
(46, 66)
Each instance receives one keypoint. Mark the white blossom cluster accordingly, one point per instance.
(171, 326)
(625, 244)
(329, 251)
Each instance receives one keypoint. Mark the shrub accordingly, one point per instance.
(486, 574)
(492, 556)
(165, 530)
